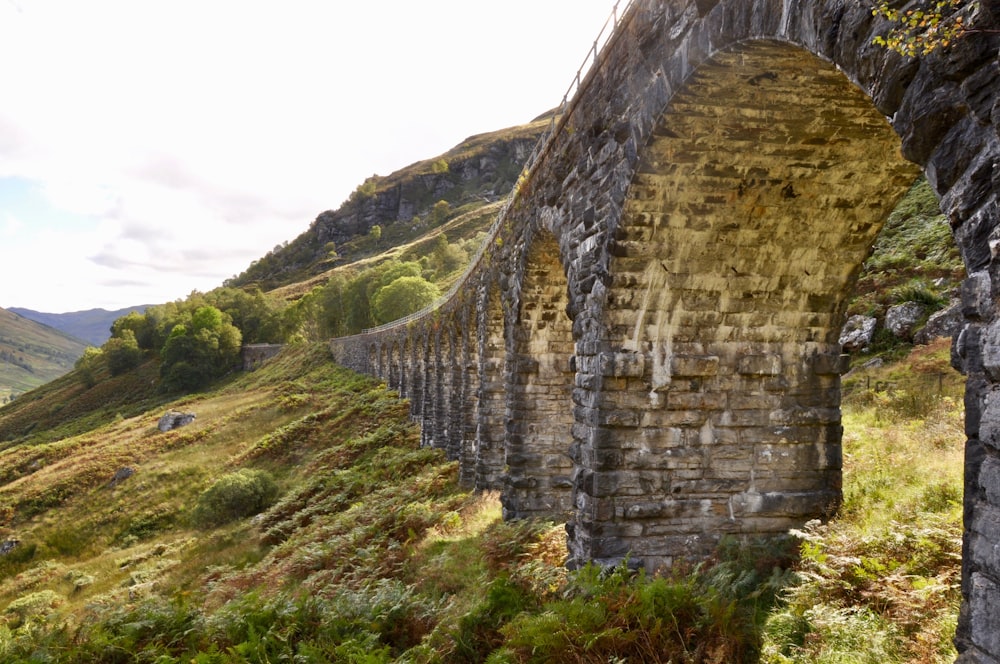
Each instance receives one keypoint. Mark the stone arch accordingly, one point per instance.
(452, 403)
(729, 280)
(373, 366)
(394, 375)
(468, 413)
(491, 392)
(596, 177)
(540, 374)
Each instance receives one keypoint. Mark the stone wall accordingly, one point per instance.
(648, 347)
(253, 355)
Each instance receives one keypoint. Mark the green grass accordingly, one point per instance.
(32, 354)
(372, 553)
(914, 259)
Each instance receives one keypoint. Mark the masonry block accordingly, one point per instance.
(622, 364)
(767, 364)
(694, 365)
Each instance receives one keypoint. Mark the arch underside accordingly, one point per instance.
(540, 408)
(755, 202)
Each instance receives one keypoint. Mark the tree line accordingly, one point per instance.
(199, 339)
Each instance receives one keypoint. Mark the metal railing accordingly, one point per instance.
(618, 12)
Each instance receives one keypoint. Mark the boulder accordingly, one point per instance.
(173, 420)
(857, 333)
(121, 475)
(902, 319)
(947, 322)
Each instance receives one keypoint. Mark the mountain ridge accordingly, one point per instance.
(32, 354)
(90, 325)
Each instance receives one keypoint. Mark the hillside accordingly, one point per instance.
(125, 543)
(406, 205)
(298, 519)
(32, 354)
(91, 325)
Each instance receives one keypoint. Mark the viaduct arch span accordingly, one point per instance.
(647, 347)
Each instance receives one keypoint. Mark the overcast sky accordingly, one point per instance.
(148, 149)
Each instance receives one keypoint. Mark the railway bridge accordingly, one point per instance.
(646, 347)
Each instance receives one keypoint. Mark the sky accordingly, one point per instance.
(150, 149)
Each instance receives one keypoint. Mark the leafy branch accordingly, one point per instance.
(918, 32)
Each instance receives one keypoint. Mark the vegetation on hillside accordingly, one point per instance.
(405, 206)
(367, 550)
(298, 519)
(32, 354)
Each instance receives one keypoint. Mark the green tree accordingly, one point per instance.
(376, 234)
(122, 352)
(331, 307)
(439, 213)
(88, 364)
(403, 296)
(258, 317)
(447, 257)
(143, 327)
(195, 355)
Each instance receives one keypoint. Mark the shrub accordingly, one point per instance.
(31, 607)
(122, 353)
(235, 496)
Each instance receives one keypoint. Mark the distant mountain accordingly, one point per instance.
(32, 354)
(92, 325)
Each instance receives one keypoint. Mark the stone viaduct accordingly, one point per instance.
(647, 346)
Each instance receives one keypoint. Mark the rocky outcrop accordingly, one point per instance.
(947, 322)
(857, 333)
(903, 319)
(486, 174)
(173, 420)
(480, 170)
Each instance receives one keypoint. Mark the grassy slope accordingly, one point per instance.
(305, 260)
(373, 550)
(40, 354)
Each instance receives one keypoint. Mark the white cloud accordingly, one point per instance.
(11, 226)
(195, 136)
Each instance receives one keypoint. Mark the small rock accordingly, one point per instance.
(873, 363)
(8, 545)
(121, 475)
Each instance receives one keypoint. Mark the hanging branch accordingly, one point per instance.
(918, 32)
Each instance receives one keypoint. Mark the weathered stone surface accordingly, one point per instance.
(858, 332)
(985, 613)
(990, 349)
(947, 322)
(173, 420)
(121, 475)
(902, 319)
(680, 250)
